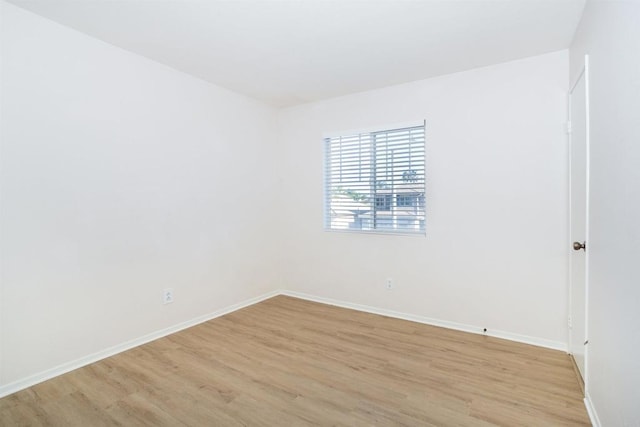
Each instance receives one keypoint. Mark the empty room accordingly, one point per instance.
(319, 212)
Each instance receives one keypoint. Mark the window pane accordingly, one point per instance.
(375, 181)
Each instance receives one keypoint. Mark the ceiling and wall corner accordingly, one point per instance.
(297, 51)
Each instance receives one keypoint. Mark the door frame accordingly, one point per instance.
(584, 73)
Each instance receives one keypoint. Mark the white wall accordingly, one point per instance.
(120, 177)
(495, 254)
(610, 33)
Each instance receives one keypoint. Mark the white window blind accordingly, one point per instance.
(375, 181)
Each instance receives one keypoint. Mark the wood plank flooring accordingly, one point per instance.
(290, 362)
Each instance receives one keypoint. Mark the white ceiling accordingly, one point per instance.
(287, 52)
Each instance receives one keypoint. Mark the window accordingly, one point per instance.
(407, 200)
(383, 202)
(375, 181)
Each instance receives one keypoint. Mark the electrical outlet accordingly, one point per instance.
(389, 283)
(167, 296)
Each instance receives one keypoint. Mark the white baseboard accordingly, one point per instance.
(591, 411)
(540, 342)
(92, 358)
(83, 361)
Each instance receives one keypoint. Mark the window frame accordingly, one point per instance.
(419, 197)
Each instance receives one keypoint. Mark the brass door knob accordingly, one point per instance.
(577, 246)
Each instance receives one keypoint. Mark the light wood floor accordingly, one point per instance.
(289, 362)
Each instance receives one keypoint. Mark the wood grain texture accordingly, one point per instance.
(290, 362)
